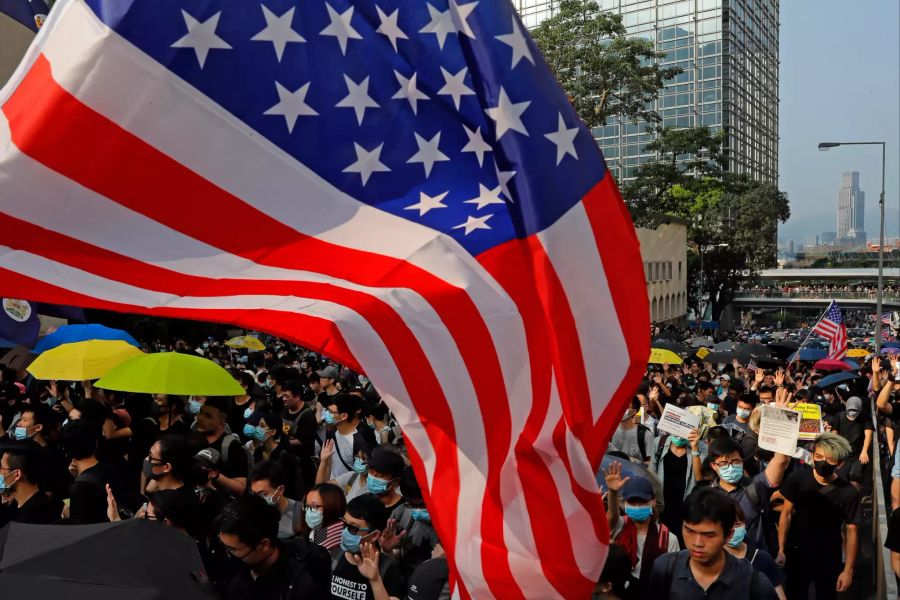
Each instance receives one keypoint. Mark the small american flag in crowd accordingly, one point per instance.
(886, 318)
(831, 327)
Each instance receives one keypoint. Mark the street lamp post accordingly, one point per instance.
(824, 146)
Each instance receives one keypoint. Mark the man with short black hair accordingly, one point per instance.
(704, 570)
(87, 496)
(273, 569)
(364, 572)
(342, 413)
(20, 470)
(235, 466)
(386, 467)
(268, 481)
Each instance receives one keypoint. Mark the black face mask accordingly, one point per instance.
(824, 468)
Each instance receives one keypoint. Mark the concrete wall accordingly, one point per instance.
(14, 41)
(664, 251)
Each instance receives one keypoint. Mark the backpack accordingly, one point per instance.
(227, 442)
(641, 440)
(311, 566)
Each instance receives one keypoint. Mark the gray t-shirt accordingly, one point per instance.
(626, 441)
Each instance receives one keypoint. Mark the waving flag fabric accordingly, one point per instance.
(401, 186)
(831, 327)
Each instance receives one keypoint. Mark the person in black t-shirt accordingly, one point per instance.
(87, 496)
(20, 468)
(892, 542)
(272, 569)
(364, 571)
(817, 504)
(235, 465)
(855, 427)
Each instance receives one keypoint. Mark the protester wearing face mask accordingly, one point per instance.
(741, 418)
(267, 481)
(363, 571)
(855, 427)
(342, 417)
(267, 567)
(761, 560)
(639, 531)
(20, 470)
(386, 467)
(818, 504)
(631, 438)
(678, 462)
(751, 493)
(412, 517)
(269, 444)
(323, 514)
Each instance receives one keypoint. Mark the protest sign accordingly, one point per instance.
(707, 417)
(779, 429)
(677, 421)
(702, 353)
(810, 420)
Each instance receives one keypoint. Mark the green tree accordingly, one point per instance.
(604, 72)
(731, 219)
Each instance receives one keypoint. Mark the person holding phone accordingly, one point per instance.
(364, 571)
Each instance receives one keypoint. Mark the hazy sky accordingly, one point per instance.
(839, 81)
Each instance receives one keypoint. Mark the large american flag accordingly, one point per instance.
(831, 327)
(400, 185)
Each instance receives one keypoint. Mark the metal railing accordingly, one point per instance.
(817, 294)
(885, 581)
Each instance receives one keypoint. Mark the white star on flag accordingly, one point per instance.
(278, 31)
(357, 98)
(486, 197)
(340, 27)
(455, 86)
(508, 115)
(516, 40)
(428, 153)
(564, 140)
(427, 203)
(476, 144)
(389, 26)
(452, 20)
(503, 177)
(291, 104)
(473, 223)
(201, 36)
(408, 91)
(367, 162)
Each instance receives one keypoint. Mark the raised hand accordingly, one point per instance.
(366, 561)
(694, 439)
(653, 394)
(779, 377)
(112, 508)
(783, 397)
(614, 479)
(760, 375)
(327, 450)
(391, 537)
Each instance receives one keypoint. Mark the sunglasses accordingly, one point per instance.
(355, 529)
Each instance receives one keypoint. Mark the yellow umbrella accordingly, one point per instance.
(245, 341)
(659, 356)
(79, 361)
(857, 352)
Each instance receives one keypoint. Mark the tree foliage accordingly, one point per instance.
(605, 72)
(731, 219)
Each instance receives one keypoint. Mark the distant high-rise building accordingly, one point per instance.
(851, 208)
(789, 247)
(812, 241)
(827, 237)
(728, 50)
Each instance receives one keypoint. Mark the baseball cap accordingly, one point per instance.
(854, 406)
(638, 488)
(328, 372)
(208, 457)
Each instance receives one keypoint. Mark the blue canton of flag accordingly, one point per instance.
(411, 129)
(30, 13)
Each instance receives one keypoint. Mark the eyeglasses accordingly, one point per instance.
(314, 506)
(234, 552)
(734, 463)
(355, 529)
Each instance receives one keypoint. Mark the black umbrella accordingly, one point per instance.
(784, 348)
(836, 378)
(136, 558)
(724, 357)
(724, 346)
(669, 345)
(670, 335)
(753, 349)
(767, 362)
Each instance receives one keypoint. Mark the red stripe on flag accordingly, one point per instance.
(620, 252)
(105, 158)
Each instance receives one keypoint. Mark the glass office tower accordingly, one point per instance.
(728, 50)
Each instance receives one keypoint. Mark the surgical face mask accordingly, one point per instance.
(743, 413)
(247, 412)
(254, 433)
(731, 473)
(313, 518)
(194, 406)
(824, 468)
(679, 441)
(377, 485)
(328, 417)
(638, 513)
(350, 542)
(51, 402)
(4, 485)
(738, 536)
(270, 500)
(717, 382)
(712, 405)
(420, 514)
(359, 466)
(20, 433)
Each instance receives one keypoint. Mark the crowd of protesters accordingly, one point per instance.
(819, 290)
(301, 487)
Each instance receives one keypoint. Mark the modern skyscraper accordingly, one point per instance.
(728, 50)
(851, 210)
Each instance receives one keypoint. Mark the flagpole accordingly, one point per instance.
(809, 335)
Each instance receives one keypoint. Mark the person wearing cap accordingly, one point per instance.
(639, 531)
(855, 427)
(328, 378)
